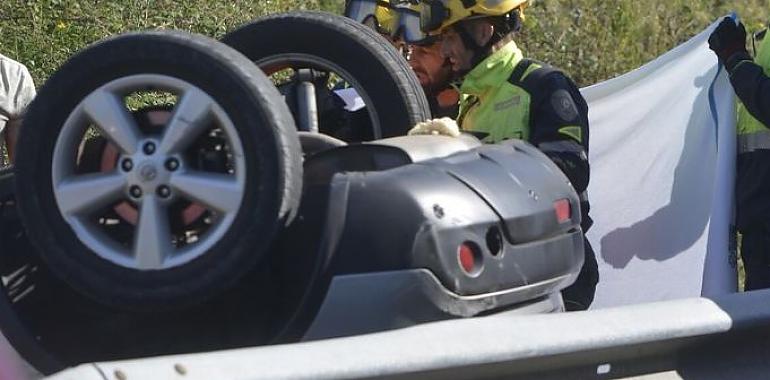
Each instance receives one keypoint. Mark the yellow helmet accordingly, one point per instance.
(376, 13)
(386, 16)
(437, 15)
(394, 18)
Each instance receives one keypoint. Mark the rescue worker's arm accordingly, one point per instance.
(560, 128)
(752, 86)
(728, 41)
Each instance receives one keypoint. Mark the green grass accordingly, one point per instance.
(44, 33)
(592, 39)
(598, 39)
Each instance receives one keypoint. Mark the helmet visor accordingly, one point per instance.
(432, 15)
(360, 10)
(409, 26)
(387, 20)
(371, 12)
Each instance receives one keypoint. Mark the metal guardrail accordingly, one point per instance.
(725, 338)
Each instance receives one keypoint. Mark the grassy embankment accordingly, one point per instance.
(592, 39)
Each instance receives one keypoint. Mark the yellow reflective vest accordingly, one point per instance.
(752, 134)
(488, 106)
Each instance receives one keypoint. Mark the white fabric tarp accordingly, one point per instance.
(663, 162)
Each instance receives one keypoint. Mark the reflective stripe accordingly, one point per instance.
(572, 131)
(563, 146)
(753, 141)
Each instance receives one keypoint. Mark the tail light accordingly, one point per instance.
(469, 257)
(563, 210)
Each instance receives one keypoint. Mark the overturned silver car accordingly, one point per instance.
(168, 198)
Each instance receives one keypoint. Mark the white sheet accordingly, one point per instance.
(663, 162)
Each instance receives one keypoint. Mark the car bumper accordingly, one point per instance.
(372, 302)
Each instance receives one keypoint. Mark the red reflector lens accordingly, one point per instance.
(563, 210)
(467, 255)
(466, 258)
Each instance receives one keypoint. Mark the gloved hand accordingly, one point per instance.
(728, 39)
(444, 127)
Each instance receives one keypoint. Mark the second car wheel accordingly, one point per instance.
(352, 53)
(214, 92)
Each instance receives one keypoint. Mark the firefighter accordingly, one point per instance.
(749, 78)
(506, 96)
(399, 22)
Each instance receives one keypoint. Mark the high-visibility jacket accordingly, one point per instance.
(752, 85)
(753, 133)
(507, 96)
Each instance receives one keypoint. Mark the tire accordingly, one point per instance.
(265, 180)
(390, 89)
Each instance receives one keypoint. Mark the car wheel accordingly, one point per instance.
(352, 54)
(158, 265)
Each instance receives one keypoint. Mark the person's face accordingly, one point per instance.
(453, 49)
(430, 66)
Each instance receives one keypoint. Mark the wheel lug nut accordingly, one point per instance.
(172, 164)
(135, 191)
(149, 148)
(164, 192)
(127, 165)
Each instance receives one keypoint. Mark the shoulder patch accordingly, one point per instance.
(564, 105)
(573, 131)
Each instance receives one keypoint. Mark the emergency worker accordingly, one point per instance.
(750, 80)
(435, 75)
(399, 22)
(16, 92)
(506, 96)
